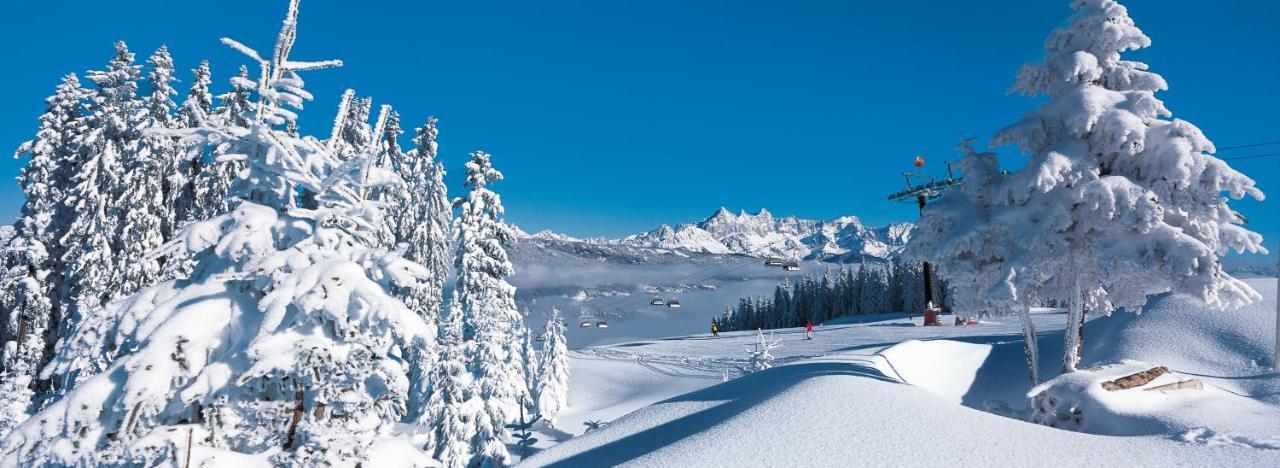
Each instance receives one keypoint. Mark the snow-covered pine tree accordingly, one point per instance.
(491, 322)
(553, 373)
(529, 363)
(781, 303)
(413, 225)
(286, 336)
(189, 158)
(1144, 196)
(198, 105)
(387, 132)
(450, 414)
(30, 301)
(113, 132)
(174, 173)
(146, 183)
(352, 133)
(874, 292)
(425, 226)
(1116, 202)
(215, 178)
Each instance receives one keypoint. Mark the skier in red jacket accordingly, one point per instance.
(808, 330)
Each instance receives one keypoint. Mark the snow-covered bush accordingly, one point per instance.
(760, 355)
(286, 335)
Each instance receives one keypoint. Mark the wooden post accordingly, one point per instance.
(190, 430)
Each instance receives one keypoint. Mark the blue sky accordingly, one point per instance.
(612, 117)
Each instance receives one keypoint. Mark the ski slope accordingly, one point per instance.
(888, 392)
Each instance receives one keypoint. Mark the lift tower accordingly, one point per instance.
(921, 194)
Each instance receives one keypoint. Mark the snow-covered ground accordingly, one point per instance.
(887, 392)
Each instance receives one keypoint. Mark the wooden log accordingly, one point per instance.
(1192, 384)
(1135, 380)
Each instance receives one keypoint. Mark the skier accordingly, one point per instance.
(715, 328)
(808, 330)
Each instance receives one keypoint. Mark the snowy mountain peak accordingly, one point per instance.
(843, 239)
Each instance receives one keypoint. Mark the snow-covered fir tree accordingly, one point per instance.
(162, 113)
(285, 339)
(113, 130)
(451, 414)
(189, 160)
(148, 177)
(214, 180)
(553, 372)
(352, 133)
(1117, 201)
(491, 323)
(30, 301)
(198, 105)
(529, 363)
(424, 222)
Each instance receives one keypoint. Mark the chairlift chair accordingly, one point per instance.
(657, 302)
(773, 262)
(602, 324)
(791, 266)
(673, 303)
(585, 324)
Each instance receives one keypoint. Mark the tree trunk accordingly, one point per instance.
(1073, 339)
(1031, 346)
(297, 416)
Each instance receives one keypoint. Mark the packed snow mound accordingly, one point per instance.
(804, 414)
(946, 368)
(1078, 401)
(1232, 349)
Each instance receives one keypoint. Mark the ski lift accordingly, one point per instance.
(673, 303)
(773, 262)
(657, 302)
(791, 266)
(602, 324)
(585, 324)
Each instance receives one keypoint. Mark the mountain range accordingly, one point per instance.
(841, 240)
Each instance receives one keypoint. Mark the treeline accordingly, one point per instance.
(868, 289)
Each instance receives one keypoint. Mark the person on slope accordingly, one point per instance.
(715, 328)
(808, 330)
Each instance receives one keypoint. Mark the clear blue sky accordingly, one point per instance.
(612, 117)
